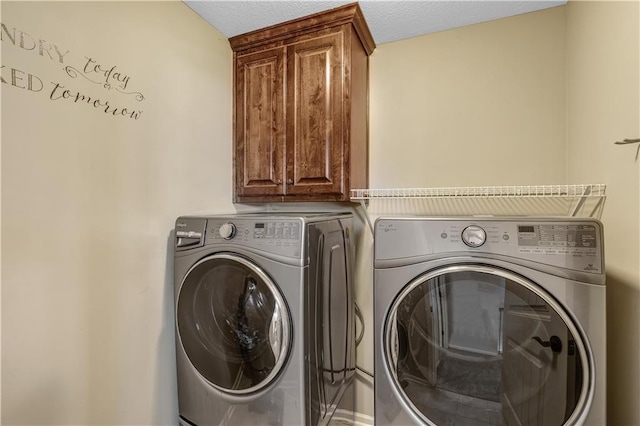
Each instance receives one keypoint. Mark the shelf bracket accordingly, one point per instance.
(580, 203)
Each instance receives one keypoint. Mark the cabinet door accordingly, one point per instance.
(259, 149)
(315, 148)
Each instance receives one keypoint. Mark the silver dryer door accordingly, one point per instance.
(233, 324)
(484, 343)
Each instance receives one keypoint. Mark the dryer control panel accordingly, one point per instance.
(557, 238)
(572, 244)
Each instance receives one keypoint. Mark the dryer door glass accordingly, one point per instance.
(481, 343)
(233, 324)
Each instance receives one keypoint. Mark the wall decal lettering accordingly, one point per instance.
(59, 92)
(108, 76)
(17, 79)
(26, 42)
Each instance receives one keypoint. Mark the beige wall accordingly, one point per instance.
(603, 75)
(89, 200)
(474, 106)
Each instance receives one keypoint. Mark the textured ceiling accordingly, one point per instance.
(388, 20)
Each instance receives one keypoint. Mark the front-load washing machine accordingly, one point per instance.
(264, 318)
(492, 321)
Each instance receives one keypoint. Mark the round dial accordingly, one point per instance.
(474, 236)
(227, 231)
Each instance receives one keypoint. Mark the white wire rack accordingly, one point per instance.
(585, 200)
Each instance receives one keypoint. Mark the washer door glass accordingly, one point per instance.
(472, 342)
(233, 323)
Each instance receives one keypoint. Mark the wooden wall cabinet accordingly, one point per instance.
(301, 108)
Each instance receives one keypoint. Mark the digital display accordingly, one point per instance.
(259, 225)
(526, 229)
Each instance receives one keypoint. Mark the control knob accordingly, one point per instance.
(227, 231)
(474, 236)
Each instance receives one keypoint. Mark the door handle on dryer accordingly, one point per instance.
(554, 342)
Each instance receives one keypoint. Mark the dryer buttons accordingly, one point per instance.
(474, 236)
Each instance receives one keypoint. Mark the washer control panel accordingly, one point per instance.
(283, 237)
(285, 231)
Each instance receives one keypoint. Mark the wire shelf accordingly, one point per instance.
(586, 200)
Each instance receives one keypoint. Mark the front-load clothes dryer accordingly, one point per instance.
(492, 321)
(264, 318)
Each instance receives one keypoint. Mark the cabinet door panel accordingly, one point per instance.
(260, 123)
(315, 116)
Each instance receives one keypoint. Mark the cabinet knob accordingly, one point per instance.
(289, 181)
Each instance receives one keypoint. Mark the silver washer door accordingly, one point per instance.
(233, 324)
(484, 343)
